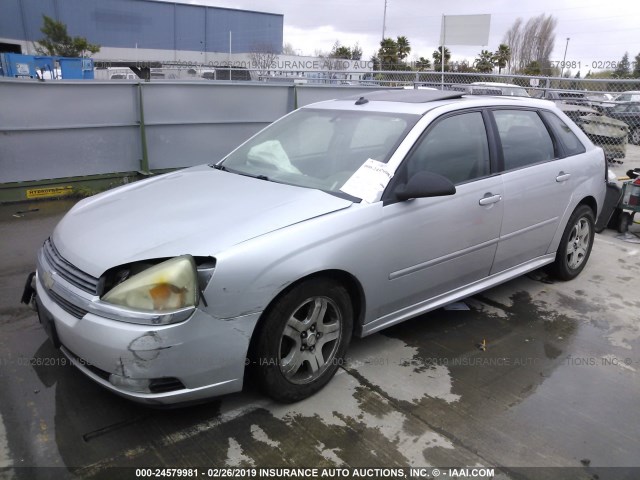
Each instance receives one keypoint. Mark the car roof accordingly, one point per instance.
(407, 96)
(421, 101)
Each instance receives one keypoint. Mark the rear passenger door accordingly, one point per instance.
(538, 184)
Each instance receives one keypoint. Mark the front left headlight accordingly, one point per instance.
(165, 287)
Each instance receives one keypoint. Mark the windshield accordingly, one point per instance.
(320, 148)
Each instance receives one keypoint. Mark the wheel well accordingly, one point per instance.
(591, 203)
(354, 289)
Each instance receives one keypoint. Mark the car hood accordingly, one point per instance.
(199, 211)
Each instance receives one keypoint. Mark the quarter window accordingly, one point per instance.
(456, 148)
(525, 139)
(568, 139)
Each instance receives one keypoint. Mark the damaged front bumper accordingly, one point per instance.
(198, 358)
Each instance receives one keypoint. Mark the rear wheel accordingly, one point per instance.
(575, 246)
(303, 340)
(634, 136)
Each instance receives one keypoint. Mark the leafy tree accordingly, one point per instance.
(463, 67)
(423, 64)
(356, 52)
(533, 41)
(57, 42)
(533, 68)
(502, 56)
(344, 52)
(623, 69)
(636, 67)
(484, 62)
(437, 58)
(404, 48)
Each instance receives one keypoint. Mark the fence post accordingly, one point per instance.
(144, 161)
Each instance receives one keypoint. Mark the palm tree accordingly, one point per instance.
(388, 53)
(437, 58)
(404, 48)
(502, 56)
(484, 62)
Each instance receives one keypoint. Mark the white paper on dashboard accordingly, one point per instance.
(368, 181)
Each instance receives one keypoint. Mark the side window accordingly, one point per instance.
(455, 147)
(525, 139)
(568, 139)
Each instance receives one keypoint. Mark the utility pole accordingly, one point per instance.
(565, 57)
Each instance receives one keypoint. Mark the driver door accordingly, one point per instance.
(437, 245)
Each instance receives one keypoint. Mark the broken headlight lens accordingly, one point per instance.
(167, 286)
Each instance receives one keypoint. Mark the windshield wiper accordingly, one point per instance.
(221, 167)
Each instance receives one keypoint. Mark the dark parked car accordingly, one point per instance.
(629, 113)
(572, 98)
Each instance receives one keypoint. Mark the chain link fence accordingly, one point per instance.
(607, 110)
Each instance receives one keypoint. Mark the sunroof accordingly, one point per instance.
(408, 96)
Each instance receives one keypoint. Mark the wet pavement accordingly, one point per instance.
(535, 374)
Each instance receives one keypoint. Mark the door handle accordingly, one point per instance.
(488, 199)
(563, 177)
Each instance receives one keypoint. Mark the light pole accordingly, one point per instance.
(384, 19)
(565, 57)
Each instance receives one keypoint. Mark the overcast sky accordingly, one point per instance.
(599, 30)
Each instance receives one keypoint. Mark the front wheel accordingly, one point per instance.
(635, 136)
(575, 246)
(303, 339)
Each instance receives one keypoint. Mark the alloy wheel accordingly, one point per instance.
(310, 340)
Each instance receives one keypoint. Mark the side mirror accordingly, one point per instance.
(424, 185)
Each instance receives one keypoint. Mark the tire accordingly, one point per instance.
(575, 246)
(303, 339)
(634, 136)
(624, 220)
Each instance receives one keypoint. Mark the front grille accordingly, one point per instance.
(66, 305)
(66, 270)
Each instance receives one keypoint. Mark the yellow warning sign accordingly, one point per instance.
(49, 192)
